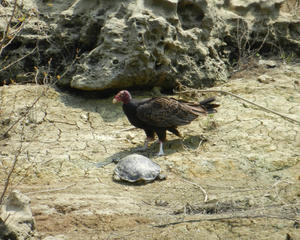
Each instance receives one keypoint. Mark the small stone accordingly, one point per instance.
(20, 223)
(267, 63)
(57, 237)
(5, 122)
(264, 79)
(84, 116)
(36, 117)
(248, 148)
(272, 148)
(118, 135)
(161, 203)
(129, 136)
(134, 141)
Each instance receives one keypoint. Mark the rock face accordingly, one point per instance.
(16, 221)
(147, 44)
(259, 26)
(103, 45)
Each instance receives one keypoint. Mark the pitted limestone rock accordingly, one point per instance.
(16, 218)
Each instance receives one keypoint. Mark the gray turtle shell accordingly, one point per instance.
(135, 167)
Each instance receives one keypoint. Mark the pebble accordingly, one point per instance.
(265, 78)
(272, 148)
(130, 136)
(267, 63)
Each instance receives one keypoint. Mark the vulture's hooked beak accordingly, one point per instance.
(115, 101)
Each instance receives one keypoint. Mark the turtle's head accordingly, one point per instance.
(122, 96)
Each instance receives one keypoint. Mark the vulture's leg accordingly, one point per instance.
(161, 133)
(150, 137)
(147, 140)
(161, 150)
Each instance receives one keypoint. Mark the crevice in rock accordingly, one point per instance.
(190, 13)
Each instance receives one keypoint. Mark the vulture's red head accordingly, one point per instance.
(122, 96)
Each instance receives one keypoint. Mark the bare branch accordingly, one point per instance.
(76, 58)
(8, 25)
(18, 60)
(12, 37)
(10, 173)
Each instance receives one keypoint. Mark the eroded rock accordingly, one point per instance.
(16, 220)
(152, 44)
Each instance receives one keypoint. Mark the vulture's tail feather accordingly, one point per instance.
(208, 105)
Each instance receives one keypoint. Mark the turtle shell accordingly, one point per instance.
(135, 167)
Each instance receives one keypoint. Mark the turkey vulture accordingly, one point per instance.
(161, 114)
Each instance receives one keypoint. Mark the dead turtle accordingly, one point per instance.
(136, 167)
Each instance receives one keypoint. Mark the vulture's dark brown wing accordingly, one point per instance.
(168, 112)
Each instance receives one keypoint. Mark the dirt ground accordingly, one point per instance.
(246, 159)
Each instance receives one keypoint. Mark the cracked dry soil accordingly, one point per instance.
(246, 159)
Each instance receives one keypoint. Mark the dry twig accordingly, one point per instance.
(5, 134)
(18, 60)
(220, 218)
(9, 35)
(245, 100)
(53, 190)
(201, 188)
(2, 44)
